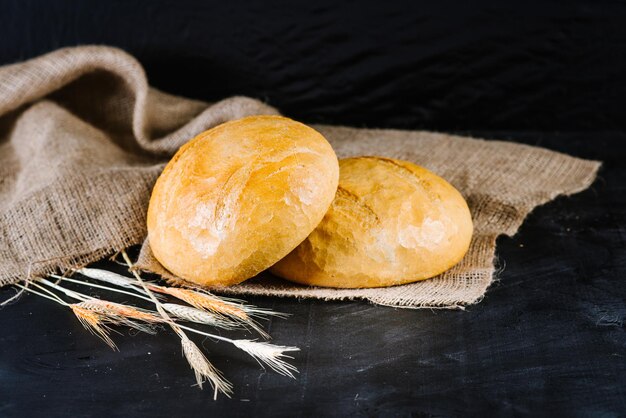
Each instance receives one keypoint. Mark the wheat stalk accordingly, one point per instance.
(264, 353)
(138, 293)
(54, 299)
(67, 292)
(96, 315)
(201, 366)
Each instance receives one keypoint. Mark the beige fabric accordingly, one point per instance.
(83, 138)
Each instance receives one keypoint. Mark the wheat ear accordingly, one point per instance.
(269, 354)
(198, 316)
(95, 323)
(203, 368)
(118, 314)
(109, 277)
(251, 310)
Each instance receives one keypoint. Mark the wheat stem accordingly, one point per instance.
(54, 299)
(68, 292)
(15, 297)
(111, 289)
(206, 334)
(154, 300)
(45, 289)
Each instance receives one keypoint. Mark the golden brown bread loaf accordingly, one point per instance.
(391, 222)
(239, 197)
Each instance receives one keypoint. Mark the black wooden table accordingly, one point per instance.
(548, 338)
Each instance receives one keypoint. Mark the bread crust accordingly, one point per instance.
(391, 222)
(239, 197)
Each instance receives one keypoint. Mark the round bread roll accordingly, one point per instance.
(239, 197)
(392, 222)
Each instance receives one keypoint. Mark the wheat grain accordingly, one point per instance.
(212, 304)
(264, 353)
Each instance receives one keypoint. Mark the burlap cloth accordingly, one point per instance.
(83, 138)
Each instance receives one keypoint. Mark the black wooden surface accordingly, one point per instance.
(548, 339)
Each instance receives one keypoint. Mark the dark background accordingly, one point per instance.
(548, 339)
(442, 65)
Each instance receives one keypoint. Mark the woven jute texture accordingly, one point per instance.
(83, 138)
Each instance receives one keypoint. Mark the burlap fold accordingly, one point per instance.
(83, 138)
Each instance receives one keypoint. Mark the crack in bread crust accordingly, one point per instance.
(350, 204)
(408, 175)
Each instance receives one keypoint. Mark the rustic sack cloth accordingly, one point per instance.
(83, 138)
